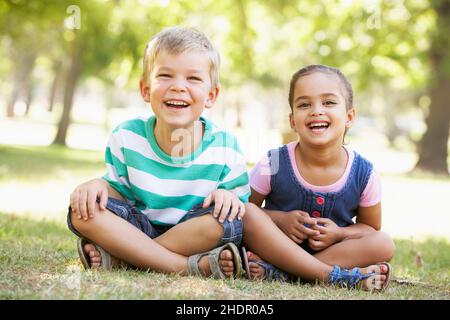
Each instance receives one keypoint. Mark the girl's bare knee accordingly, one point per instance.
(385, 246)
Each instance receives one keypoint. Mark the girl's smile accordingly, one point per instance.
(320, 115)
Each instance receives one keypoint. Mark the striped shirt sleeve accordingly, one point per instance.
(117, 173)
(236, 178)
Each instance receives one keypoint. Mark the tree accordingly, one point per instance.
(433, 148)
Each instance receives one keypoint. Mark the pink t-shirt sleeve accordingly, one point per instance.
(260, 177)
(372, 193)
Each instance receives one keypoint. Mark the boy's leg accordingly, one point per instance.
(359, 251)
(204, 234)
(126, 242)
(137, 248)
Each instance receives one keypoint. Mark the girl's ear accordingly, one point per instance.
(212, 97)
(292, 121)
(351, 113)
(145, 90)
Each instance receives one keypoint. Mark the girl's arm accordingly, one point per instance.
(292, 223)
(367, 220)
(258, 199)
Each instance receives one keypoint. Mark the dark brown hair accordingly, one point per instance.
(325, 69)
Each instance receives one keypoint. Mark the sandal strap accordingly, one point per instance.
(213, 260)
(271, 272)
(106, 258)
(193, 264)
(347, 278)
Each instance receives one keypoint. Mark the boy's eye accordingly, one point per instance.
(303, 105)
(329, 103)
(194, 78)
(164, 75)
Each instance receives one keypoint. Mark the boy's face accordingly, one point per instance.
(179, 88)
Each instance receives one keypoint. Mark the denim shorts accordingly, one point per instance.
(232, 231)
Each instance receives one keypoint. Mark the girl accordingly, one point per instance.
(313, 188)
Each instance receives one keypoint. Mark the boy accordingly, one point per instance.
(152, 207)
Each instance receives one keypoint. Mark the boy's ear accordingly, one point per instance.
(145, 90)
(351, 113)
(212, 97)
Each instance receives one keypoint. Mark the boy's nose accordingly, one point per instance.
(178, 86)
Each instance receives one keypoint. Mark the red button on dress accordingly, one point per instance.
(315, 214)
(320, 200)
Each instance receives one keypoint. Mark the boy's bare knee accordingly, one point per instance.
(209, 227)
(83, 225)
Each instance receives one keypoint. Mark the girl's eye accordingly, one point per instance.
(164, 75)
(303, 105)
(195, 78)
(330, 103)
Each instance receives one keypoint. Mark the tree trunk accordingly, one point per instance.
(433, 148)
(73, 75)
(28, 88)
(24, 68)
(58, 70)
(12, 101)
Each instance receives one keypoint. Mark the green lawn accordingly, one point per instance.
(38, 259)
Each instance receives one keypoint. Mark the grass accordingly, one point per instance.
(38, 259)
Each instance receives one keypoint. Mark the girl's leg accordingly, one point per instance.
(264, 238)
(138, 249)
(359, 251)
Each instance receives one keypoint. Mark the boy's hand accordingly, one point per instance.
(330, 233)
(224, 201)
(83, 199)
(292, 223)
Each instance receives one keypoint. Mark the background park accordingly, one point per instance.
(69, 73)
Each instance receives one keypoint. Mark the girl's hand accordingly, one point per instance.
(224, 202)
(83, 199)
(330, 233)
(292, 223)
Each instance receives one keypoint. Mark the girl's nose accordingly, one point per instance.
(317, 109)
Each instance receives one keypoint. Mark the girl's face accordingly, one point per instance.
(320, 116)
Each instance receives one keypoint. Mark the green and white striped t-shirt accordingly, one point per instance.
(165, 187)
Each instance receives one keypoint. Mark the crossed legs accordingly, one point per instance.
(266, 241)
(167, 253)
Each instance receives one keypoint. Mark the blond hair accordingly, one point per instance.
(176, 40)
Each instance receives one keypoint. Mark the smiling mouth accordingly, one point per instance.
(318, 127)
(177, 104)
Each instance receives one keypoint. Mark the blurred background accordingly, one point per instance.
(69, 73)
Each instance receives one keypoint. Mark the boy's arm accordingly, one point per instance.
(116, 177)
(113, 193)
(233, 189)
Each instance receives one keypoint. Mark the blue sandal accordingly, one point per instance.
(351, 278)
(272, 273)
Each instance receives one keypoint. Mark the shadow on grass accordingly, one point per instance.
(40, 163)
